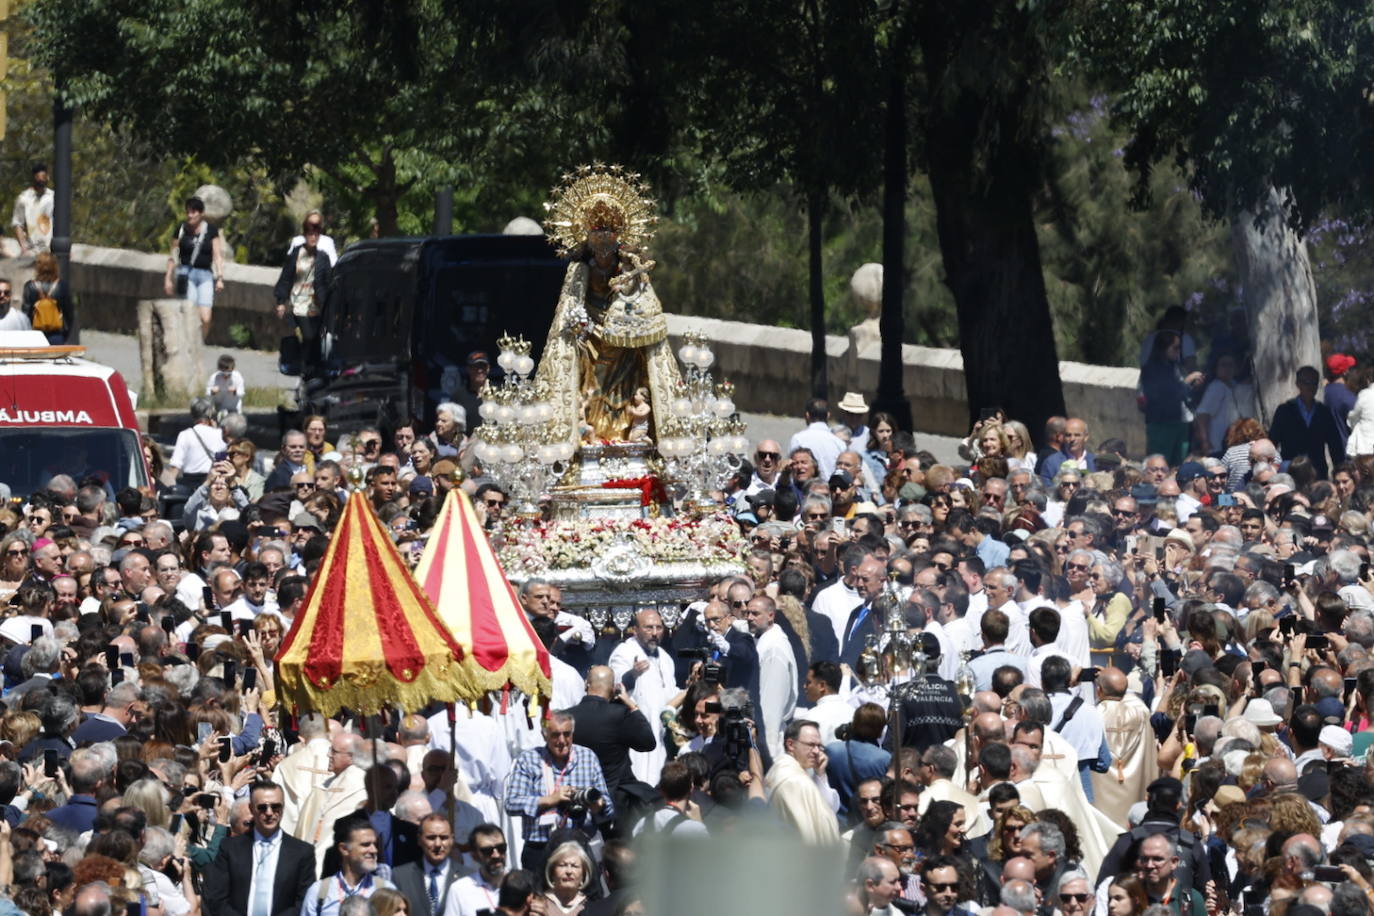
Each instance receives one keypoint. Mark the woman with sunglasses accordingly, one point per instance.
(303, 282)
(1107, 611)
(15, 566)
(241, 455)
(1066, 485)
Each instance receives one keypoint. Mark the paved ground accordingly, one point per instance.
(259, 368)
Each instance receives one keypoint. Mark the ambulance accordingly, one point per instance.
(61, 414)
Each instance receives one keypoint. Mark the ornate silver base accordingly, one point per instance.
(620, 572)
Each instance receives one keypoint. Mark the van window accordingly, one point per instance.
(31, 456)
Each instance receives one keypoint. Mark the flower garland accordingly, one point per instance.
(572, 544)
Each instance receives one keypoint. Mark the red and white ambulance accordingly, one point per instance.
(61, 414)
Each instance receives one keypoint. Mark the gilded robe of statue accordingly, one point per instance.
(601, 349)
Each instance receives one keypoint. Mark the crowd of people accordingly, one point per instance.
(1124, 688)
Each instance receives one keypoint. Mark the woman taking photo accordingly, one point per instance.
(241, 455)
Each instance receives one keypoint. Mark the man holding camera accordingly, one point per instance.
(556, 787)
(608, 721)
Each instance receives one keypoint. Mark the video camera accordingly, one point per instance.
(711, 670)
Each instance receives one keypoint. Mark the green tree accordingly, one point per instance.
(1265, 105)
(774, 91)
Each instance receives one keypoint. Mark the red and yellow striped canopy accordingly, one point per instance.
(461, 575)
(367, 637)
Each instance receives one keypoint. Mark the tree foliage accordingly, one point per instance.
(1243, 95)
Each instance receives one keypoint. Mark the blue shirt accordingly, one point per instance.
(992, 552)
(334, 891)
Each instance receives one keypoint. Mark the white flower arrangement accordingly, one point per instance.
(533, 549)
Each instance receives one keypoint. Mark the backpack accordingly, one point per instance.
(47, 317)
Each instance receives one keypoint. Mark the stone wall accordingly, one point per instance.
(769, 366)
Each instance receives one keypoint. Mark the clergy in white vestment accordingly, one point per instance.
(303, 770)
(1135, 755)
(340, 795)
(1096, 832)
(647, 672)
(798, 793)
(937, 774)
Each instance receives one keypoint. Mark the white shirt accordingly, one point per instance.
(268, 868)
(230, 394)
(194, 448)
(1186, 505)
(33, 213)
(830, 712)
(243, 609)
(1018, 636)
(469, 895)
(568, 686)
(1073, 631)
(325, 246)
(837, 601)
(777, 685)
(15, 320)
(1084, 731)
(824, 444)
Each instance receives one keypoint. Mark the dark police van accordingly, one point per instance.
(400, 311)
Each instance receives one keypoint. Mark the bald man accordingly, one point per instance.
(987, 726)
(648, 675)
(608, 721)
(1131, 740)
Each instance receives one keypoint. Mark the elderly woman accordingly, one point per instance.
(216, 500)
(164, 866)
(450, 424)
(1066, 486)
(241, 455)
(1108, 611)
(567, 873)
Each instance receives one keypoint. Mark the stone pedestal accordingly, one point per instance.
(170, 349)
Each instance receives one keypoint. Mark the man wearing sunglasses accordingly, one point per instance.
(265, 871)
(767, 466)
(940, 881)
(473, 893)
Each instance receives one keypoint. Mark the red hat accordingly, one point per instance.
(1339, 364)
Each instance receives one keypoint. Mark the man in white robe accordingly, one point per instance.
(647, 671)
(797, 788)
(304, 770)
(350, 756)
(1131, 740)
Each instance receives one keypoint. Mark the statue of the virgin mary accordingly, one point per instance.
(609, 338)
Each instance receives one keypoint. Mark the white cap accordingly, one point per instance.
(1336, 738)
